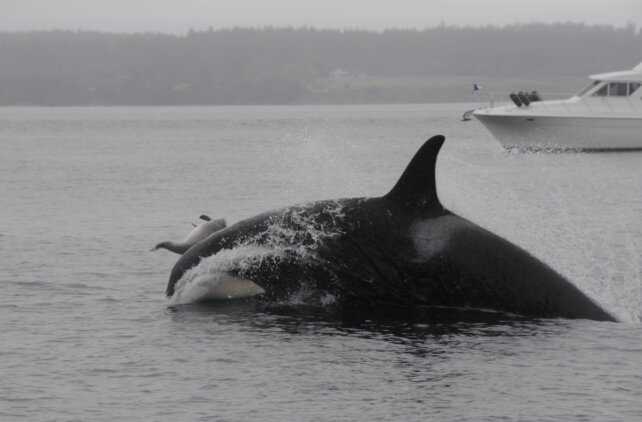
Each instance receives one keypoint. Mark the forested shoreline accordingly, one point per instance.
(304, 65)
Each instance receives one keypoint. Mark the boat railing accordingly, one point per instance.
(612, 104)
(491, 99)
(501, 98)
(553, 101)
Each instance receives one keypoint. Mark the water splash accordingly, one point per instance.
(293, 235)
(300, 230)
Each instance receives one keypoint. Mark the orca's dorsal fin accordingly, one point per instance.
(416, 187)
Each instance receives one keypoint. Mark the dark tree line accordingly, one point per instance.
(281, 66)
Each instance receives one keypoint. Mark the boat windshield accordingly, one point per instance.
(586, 89)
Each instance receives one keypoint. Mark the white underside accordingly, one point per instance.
(229, 287)
(213, 286)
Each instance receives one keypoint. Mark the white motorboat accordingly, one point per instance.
(605, 115)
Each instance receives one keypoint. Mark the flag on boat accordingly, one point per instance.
(476, 87)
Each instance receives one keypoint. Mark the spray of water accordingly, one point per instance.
(293, 235)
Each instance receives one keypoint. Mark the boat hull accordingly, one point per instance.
(564, 132)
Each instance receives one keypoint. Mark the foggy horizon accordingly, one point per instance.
(305, 66)
(164, 16)
(187, 30)
(304, 51)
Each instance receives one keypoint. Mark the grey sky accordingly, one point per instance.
(179, 15)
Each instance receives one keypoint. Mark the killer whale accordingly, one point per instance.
(403, 248)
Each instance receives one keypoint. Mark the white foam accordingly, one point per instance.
(294, 234)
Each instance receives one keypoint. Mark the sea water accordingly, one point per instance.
(87, 334)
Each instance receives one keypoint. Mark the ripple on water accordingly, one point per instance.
(85, 333)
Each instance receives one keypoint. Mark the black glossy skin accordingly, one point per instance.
(400, 249)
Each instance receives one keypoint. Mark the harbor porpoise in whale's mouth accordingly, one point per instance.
(197, 234)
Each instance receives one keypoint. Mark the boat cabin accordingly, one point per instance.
(615, 84)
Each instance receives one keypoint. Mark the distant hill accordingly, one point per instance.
(295, 66)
